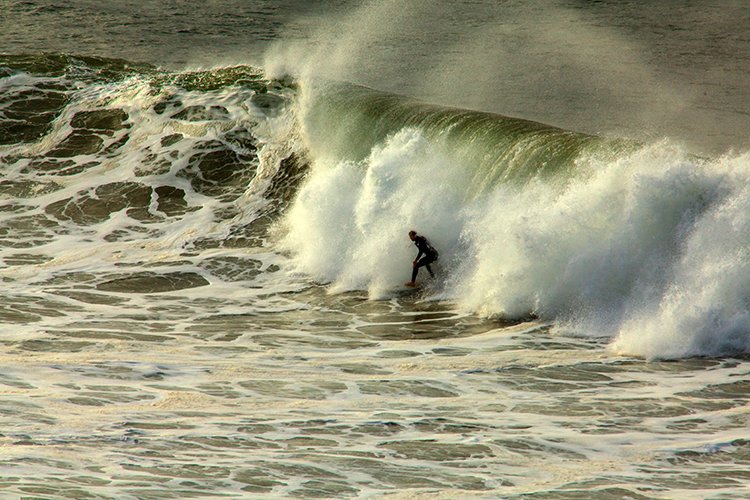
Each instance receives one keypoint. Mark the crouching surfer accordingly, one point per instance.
(427, 253)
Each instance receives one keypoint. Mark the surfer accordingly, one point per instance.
(430, 256)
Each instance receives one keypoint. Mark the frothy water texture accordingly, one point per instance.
(203, 268)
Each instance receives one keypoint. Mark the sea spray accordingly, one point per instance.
(590, 251)
(705, 309)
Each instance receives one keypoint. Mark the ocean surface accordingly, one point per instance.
(204, 210)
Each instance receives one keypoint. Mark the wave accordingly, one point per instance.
(644, 244)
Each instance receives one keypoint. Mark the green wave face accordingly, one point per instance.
(348, 121)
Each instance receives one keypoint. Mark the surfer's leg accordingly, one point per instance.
(424, 261)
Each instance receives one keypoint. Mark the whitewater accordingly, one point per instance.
(203, 267)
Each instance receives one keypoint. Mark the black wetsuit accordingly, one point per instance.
(430, 256)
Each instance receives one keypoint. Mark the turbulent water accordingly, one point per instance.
(203, 277)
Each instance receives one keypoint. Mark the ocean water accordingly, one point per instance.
(204, 211)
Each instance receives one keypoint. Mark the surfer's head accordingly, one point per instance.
(412, 235)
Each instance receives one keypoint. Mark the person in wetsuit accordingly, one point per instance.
(430, 256)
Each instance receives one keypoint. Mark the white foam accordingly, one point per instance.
(705, 309)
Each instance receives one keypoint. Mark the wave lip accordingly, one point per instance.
(348, 121)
